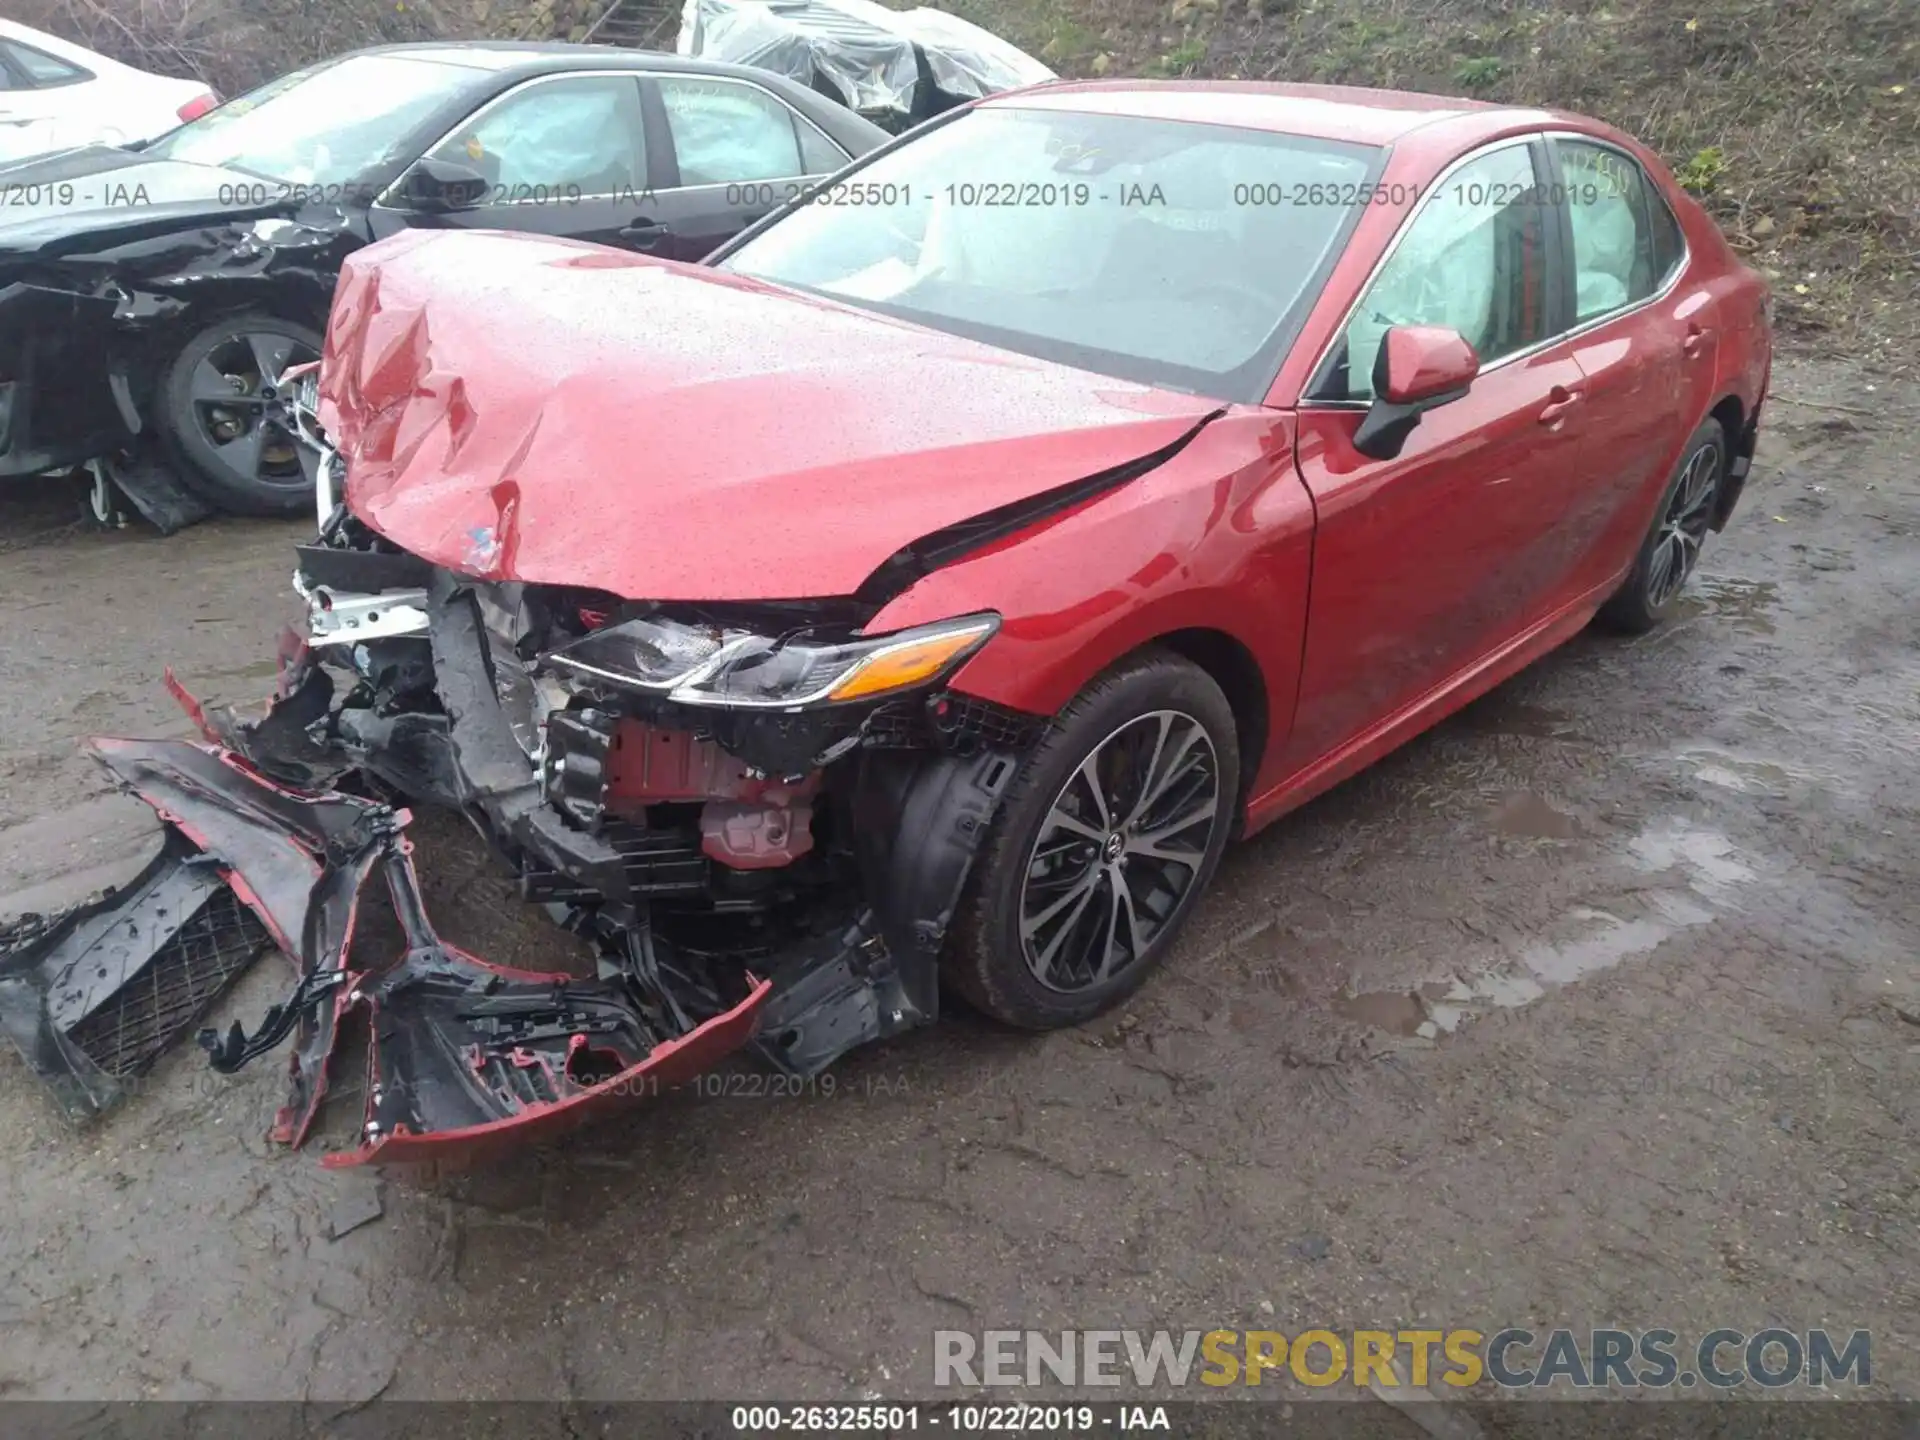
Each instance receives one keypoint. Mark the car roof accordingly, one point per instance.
(506, 63)
(53, 44)
(535, 57)
(1325, 112)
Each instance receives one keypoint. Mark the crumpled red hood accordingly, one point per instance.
(518, 407)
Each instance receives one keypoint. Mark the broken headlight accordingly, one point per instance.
(693, 663)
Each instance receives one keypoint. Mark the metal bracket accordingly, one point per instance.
(227, 1053)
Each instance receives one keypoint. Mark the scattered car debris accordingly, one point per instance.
(896, 67)
(461, 1052)
(359, 1204)
(91, 998)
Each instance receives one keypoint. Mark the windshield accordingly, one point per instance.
(1180, 254)
(330, 124)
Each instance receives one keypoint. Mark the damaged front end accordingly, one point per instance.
(761, 820)
(95, 310)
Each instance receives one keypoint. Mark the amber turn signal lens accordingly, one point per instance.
(910, 662)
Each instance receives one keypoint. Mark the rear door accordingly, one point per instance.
(1644, 343)
(1429, 561)
(562, 155)
(735, 152)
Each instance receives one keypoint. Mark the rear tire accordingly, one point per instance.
(1105, 840)
(1672, 547)
(225, 417)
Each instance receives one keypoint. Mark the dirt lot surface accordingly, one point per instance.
(1598, 1004)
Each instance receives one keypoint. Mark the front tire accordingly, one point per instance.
(1672, 547)
(1113, 827)
(226, 415)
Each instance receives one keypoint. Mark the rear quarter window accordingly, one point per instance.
(1669, 244)
(41, 70)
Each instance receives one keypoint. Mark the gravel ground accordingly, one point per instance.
(1596, 1005)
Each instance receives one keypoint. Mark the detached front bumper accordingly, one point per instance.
(781, 884)
(464, 1057)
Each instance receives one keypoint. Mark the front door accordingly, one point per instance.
(1426, 562)
(562, 155)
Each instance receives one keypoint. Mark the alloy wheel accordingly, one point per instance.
(1683, 529)
(1119, 850)
(242, 407)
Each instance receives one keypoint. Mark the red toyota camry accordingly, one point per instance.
(928, 586)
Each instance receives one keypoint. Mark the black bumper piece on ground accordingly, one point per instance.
(93, 997)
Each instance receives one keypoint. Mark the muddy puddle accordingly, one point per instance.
(1702, 873)
(1531, 816)
(1746, 604)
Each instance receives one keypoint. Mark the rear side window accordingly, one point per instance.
(43, 71)
(1473, 260)
(725, 132)
(1626, 242)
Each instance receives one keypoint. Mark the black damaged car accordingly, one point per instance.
(152, 302)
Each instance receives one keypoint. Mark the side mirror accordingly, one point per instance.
(440, 187)
(1418, 368)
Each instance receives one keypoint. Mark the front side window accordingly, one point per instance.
(572, 137)
(725, 132)
(1625, 241)
(41, 69)
(1473, 260)
(331, 124)
(1177, 253)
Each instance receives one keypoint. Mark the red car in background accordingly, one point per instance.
(930, 584)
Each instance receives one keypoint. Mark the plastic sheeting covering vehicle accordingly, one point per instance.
(896, 67)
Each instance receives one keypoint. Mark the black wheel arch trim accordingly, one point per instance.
(919, 825)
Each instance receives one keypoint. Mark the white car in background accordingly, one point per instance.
(54, 94)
